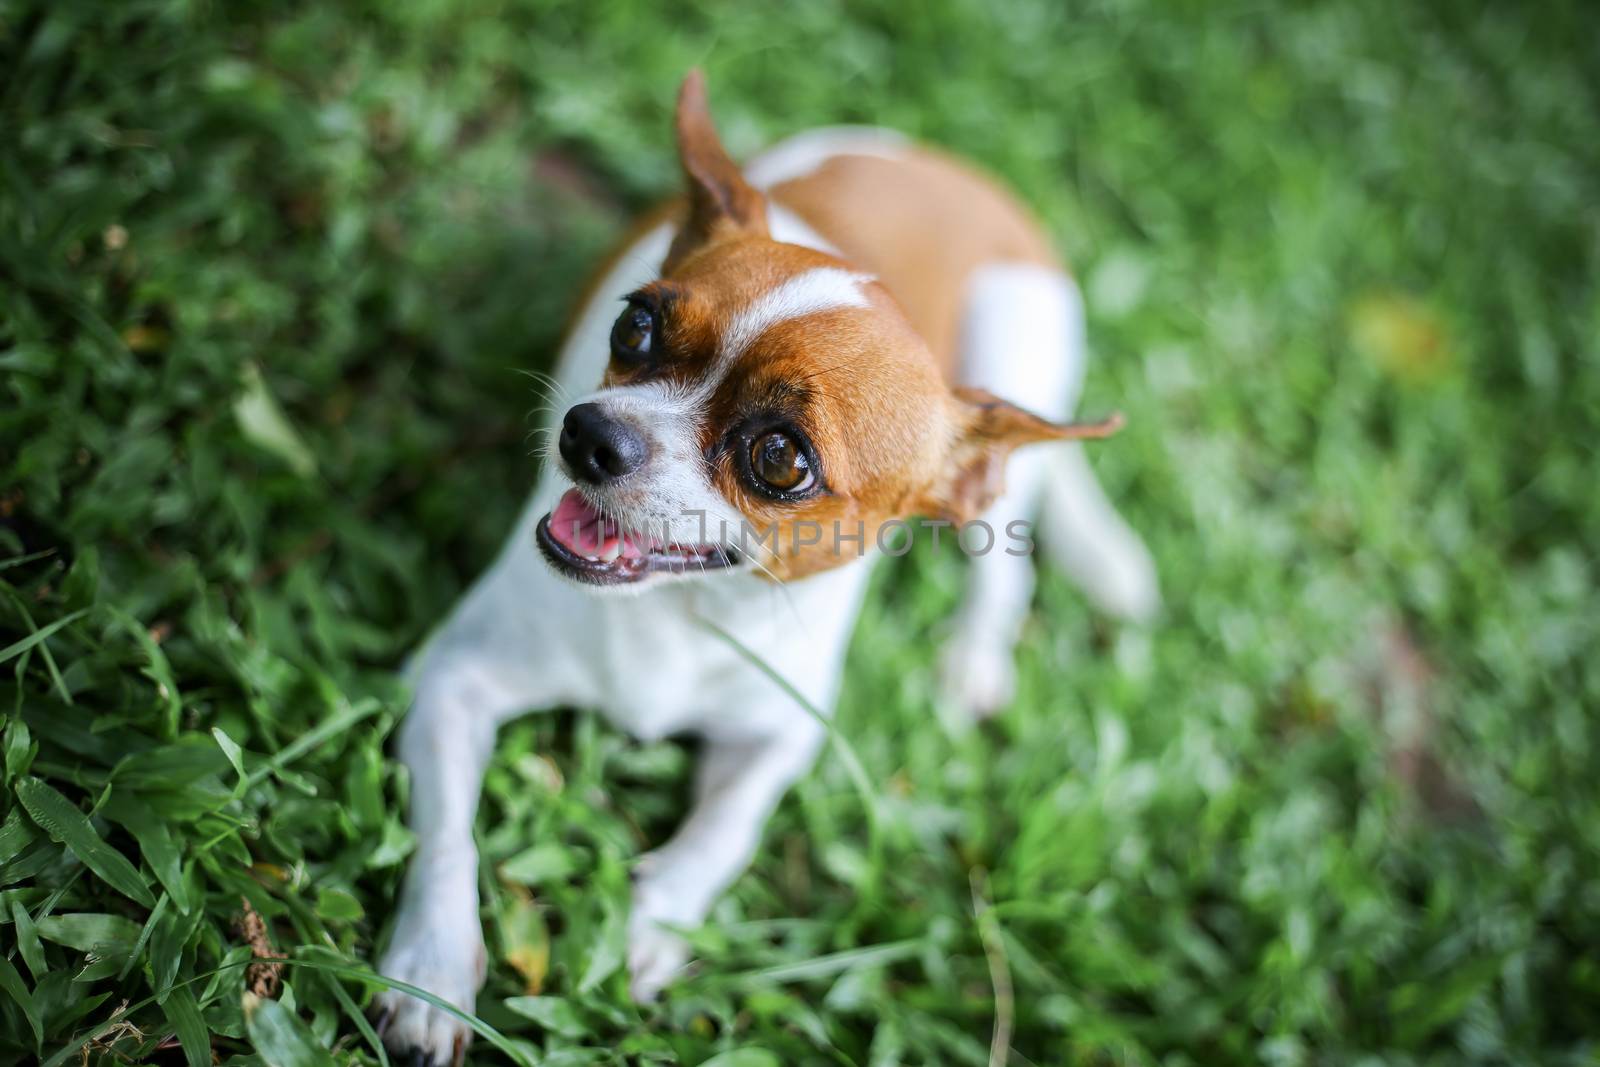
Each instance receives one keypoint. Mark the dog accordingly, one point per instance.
(808, 351)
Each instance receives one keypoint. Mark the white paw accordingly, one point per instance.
(656, 953)
(978, 677)
(656, 956)
(445, 957)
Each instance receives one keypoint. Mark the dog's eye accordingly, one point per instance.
(778, 461)
(633, 333)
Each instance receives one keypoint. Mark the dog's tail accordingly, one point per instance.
(1083, 534)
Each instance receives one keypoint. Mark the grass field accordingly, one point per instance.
(268, 276)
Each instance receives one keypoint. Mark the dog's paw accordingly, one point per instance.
(978, 678)
(446, 959)
(656, 953)
(656, 956)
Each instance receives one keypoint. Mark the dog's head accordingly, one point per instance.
(766, 407)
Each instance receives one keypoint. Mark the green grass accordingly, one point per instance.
(268, 273)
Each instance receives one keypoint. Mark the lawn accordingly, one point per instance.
(271, 276)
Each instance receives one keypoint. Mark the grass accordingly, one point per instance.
(268, 274)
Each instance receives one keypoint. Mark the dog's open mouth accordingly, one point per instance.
(584, 545)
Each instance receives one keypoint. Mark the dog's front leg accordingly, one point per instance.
(445, 742)
(737, 785)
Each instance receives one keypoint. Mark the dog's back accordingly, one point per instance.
(923, 222)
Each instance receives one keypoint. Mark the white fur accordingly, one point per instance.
(786, 226)
(1022, 336)
(809, 293)
(805, 152)
(523, 639)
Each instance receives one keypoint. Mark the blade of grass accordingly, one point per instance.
(17, 648)
(17, 561)
(61, 819)
(27, 939)
(13, 984)
(156, 844)
(358, 1019)
(44, 650)
(994, 951)
(831, 964)
(184, 1015)
(144, 935)
(157, 669)
(312, 738)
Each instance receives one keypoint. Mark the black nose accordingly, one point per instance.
(597, 447)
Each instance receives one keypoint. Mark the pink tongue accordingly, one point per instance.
(578, 526)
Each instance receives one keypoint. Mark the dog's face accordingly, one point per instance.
(765, 408)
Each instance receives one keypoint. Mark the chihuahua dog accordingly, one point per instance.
(809, 351)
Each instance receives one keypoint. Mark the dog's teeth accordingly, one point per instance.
(611, 551)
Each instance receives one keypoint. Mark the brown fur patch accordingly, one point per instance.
(922, 223)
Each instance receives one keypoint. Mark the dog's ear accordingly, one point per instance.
(987, 430)
(721, 203)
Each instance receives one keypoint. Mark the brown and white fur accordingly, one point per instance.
(874, 299)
